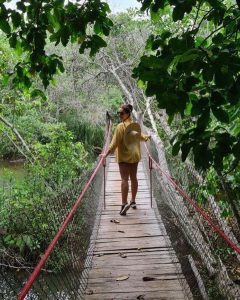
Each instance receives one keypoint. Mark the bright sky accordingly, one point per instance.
(121, 5)
(115, 5)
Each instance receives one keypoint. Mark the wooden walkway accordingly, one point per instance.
(132, 248)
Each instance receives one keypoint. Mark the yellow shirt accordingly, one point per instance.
(123, 154)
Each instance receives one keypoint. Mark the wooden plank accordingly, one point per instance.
(137, 285)
(146, 295)
(137, 246)
(128, 260)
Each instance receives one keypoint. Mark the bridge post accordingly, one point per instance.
(104, 182)
(150, 169)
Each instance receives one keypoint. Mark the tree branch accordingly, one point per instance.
(18, 135)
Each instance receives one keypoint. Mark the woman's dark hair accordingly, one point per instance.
(127, 108)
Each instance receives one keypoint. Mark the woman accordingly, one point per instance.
(127, 158)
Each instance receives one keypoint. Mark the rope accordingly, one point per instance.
(193, 204)
(67, 220)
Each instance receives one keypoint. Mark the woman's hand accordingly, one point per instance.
(148, 137)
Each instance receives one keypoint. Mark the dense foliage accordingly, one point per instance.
(32, 24)
(58, 147)
(194, 72)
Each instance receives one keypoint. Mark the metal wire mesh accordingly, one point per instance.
(193, 238)
(60, 278)
(64, 274)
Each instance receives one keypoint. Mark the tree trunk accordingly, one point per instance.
(18, 135)
(230, 197)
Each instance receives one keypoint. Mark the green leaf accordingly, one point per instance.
(175, 148)
(189, 83)
(203, 121)
(166, 34)
(97, 27)
(155, 14)
(199, 106)
(105, 7)
(4, 26)
(208, 73)
(27, 82)
(217, 99)
(223, 79)
(188, 109)
(236, 150)
(65, 33)
(16, 18)
(5, 79)
(187, 56)
(13, 40)
(21, 6)
(61, 66)
(218, 39)
(220, 114)
(185, 148)
(202, 156)
(145, 4)
(141, 84)
(178, 13)
(52, 19)
(38, 93)
(96, 43)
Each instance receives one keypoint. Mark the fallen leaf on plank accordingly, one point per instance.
(122, 278)
(114, 221)
(149, 278)
(122, 255)
(89, 292)
(140, 297)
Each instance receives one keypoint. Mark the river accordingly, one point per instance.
(11, 168)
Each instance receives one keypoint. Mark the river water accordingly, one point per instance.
(14, 169)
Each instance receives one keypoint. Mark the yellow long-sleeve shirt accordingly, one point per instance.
(123, 154)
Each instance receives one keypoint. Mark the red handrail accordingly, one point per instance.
(197, 208)
(68, 219)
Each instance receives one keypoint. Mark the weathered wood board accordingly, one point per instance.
(130, 248)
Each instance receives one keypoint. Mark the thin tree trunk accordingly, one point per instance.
(18, 135)
(230, 197)
(16, 146)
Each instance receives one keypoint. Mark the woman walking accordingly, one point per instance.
(126, 145)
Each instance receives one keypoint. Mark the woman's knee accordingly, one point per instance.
(124, 181)
(134, 181)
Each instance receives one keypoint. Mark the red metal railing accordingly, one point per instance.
(101, 163)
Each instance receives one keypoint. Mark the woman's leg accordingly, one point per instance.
(124, 172)
(134, 181)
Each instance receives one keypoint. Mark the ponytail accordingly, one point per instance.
(127, 108)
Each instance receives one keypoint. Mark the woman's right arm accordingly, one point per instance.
(116, 140)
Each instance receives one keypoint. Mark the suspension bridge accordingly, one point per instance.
(103, 255)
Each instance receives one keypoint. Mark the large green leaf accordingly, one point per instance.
(202, 156)
(175, 148)
(4, 26)
(185, 148)
(16, 18)
(217, 99)
(220, 114)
